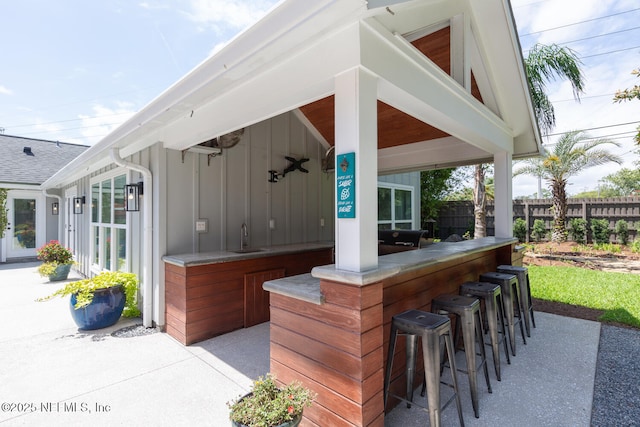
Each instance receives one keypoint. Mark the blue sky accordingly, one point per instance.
(75, 69)
(606, 36)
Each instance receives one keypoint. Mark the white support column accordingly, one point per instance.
(503, 179)
(356, 131)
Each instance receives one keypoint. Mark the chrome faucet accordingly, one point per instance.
(244, 236)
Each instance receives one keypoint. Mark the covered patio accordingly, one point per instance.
(549, 382)
(374, 87)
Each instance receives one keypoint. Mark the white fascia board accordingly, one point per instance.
(412, 83)
(299, 79)
(19, 186)
(374, 4)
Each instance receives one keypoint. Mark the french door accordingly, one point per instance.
(70, 236)
(25, 226)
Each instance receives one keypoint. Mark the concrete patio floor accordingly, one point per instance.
(54, 374)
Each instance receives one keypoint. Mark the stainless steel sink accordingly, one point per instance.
(247, 250)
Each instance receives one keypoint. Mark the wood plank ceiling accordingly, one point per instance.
(394, 126)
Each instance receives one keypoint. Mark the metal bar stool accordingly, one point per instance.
(511, 298)
(467, 310)
(491, 294)
(431, 328)
(522, 273)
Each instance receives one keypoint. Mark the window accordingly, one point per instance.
(395, 207)
(109, 223)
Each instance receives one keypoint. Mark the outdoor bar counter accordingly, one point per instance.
(330, 328)
(211, 293)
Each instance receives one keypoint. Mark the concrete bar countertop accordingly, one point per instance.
(307, 286)
(203, 258)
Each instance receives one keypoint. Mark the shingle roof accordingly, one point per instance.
(48, 157)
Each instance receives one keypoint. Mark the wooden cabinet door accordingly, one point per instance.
(256, 299)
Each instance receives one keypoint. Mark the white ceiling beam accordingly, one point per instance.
(459, 48)
(428, 154)
(412, 83)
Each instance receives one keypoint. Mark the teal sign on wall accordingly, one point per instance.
(346, 185)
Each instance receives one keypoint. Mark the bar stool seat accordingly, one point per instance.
(431, 328)
(522, 273)
(491, 294)
(467, 310)
(511, 298)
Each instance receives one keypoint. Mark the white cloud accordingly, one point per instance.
(234, 14)
(152, 6)
(5, 91)
(103, 121)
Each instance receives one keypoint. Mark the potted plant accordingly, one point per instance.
(267, 405)
(99, 301)
(57, 261)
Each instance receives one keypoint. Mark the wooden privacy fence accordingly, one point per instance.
(457, 217)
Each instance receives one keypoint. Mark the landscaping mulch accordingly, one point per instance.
(566, 254)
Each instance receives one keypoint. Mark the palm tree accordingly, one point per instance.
(573, 153)
(544, 63)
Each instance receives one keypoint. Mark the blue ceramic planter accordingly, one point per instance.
(61, 273)
(104, 310)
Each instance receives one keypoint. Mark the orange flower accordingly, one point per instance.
(290, 409)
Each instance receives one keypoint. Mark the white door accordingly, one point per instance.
(70, 236)
(26, 223)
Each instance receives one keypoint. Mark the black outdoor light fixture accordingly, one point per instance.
(55, 208)
(132, 199)
(78, 202)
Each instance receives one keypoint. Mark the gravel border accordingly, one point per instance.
(616, 394)
(133, 331)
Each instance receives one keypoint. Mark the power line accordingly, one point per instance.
(68, 129)
(598, 127)
(610, 52)
(579, 22)
(594, 37)
(68, 120)
(600, 35)
(610, 95)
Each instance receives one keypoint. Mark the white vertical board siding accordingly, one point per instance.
(211, 202)
(234, 188)
(280, 199)
(258, 220)
(236, 202)
(180, 201)
(297, 181)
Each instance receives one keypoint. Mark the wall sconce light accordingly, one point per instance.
(132, 198)
(78, 202)
(55, 208)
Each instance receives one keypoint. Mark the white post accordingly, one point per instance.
(503, 180)
(356, 132)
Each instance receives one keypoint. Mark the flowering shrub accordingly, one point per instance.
(269, 406)
(55, 252)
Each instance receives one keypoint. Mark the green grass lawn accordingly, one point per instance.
(618, 294)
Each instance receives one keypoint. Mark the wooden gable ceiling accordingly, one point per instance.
(394, 126)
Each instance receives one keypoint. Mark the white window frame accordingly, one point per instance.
(393, 187)
(98, 265)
